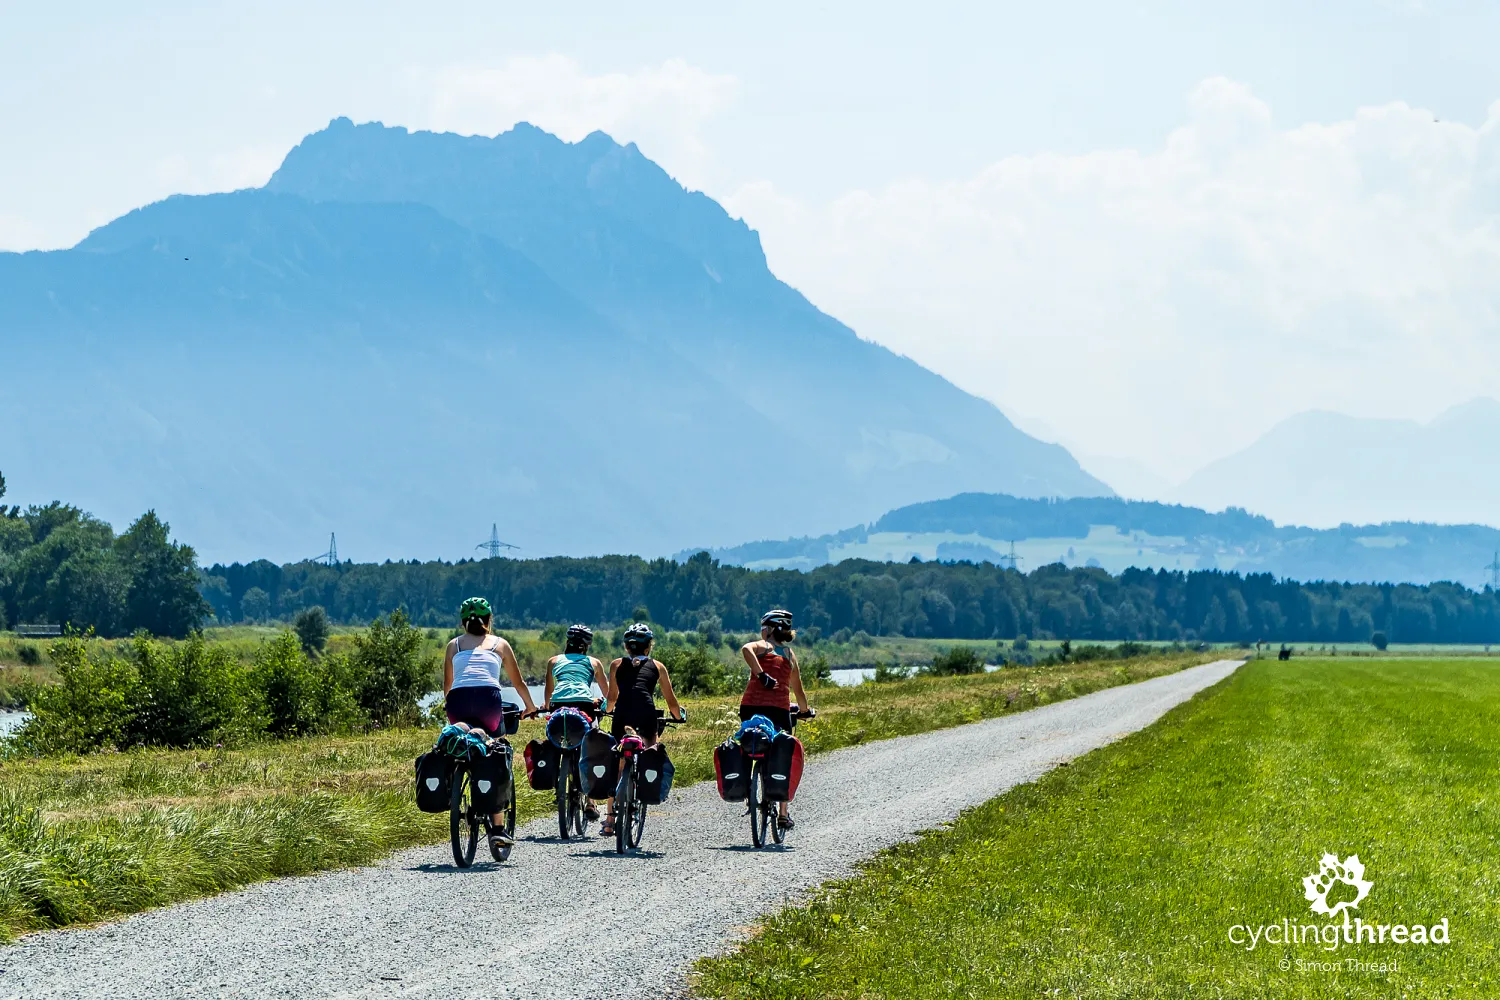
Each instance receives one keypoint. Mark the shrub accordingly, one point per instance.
(29, 654)
(88, 709)
(390, 672)
(311, 626)
(955, 661)
(863, 639)
(886, 673)
(191, 693)
(817, 672)
(1021, 643)
(1379, 641)
(301, 695)
(695, 670)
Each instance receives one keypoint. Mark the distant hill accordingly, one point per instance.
(1327, 469)
(1117, 534)
(406, 336)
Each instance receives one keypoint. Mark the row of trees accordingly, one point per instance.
(60, 565)
(942, 600)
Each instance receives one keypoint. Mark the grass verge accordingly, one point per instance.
(87, 838)
(1120, 876)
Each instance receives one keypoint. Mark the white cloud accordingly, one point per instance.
(1169, 305)
(661, 108)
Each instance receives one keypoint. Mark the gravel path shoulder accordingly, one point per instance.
(572, 919)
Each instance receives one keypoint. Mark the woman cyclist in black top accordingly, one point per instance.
(633, 680)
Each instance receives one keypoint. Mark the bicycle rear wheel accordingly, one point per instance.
(463, 823)
(566, 782)
(624, 810)
(753, 801)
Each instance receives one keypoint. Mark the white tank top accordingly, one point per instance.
(477, 667)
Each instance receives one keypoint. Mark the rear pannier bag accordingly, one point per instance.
(567, 727)
(600, 764)
(491, 777)
(434, 781)
(654, 770)
(732, 771)
(542, 759)
(783, 768)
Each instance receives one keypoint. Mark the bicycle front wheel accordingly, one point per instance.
(463, 823)
(638, 825)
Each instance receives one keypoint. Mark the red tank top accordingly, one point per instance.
(774, 662)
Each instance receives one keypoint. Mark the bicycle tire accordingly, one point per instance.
(638, 827)
(752, 800)
(773, 820)
(564, 798)
(624, 810)
(460, 816)
(507, 826)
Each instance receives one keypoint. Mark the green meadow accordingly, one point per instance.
(1125, 874)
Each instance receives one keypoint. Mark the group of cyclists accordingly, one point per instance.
(477, 659)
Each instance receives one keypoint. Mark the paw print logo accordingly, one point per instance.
(1331, 872)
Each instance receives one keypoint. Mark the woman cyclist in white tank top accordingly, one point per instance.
(472, 667)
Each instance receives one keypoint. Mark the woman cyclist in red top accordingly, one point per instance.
(774, 678)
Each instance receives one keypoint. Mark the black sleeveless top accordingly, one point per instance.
(637, 681)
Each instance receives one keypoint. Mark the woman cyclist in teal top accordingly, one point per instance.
(571, 676)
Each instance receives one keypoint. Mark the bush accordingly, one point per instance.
(391, 673)
(29, 654)
(300, 695)
(1379, 641)
(817, 672)
(695, 670)
(1021, 643)
(956, 661)
(886, 673)
(311, 626)
(190, 694)
(88, 709)
(863, 639)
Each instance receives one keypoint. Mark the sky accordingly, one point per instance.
(1149, 231)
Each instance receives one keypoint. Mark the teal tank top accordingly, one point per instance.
(573, 678)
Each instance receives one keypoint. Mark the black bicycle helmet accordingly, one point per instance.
(581, 632)
(776, 618)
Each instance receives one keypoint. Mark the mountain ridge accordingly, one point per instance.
(598, 349)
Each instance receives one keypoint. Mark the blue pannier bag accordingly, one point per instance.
(756, 735)
(567, 727)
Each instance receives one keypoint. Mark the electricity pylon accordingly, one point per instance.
(495, 545)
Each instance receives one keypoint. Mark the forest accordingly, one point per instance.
(918, 599)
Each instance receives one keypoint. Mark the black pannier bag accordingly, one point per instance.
(600, 763)
(654, 772)
(542, 758)
(434, 781)
(732, 771)
(782, 768)
(491, 778)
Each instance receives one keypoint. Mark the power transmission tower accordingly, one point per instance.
(495, 545)
(331, 557)
(1494, 568)
(1012, 560)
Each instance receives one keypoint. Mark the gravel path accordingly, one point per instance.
(413, 926)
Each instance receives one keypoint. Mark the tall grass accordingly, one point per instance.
(87, 837)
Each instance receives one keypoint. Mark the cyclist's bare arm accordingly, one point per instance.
(547, 691)
(791, 656)
(613, 691)
(513, 671)
(665, 680)
(751, 652)
(600, 677)
(448, 665)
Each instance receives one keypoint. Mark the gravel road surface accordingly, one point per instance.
(549, 922)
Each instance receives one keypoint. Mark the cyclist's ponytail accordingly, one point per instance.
(781, 635)
(478, 625)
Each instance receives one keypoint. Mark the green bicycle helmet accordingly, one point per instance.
(474, 607)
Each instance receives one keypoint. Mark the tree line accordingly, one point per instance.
(920, 599)
(62, 566)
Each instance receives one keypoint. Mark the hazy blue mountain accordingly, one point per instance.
(1117, 534)
(1327, 468)
(404, 337)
